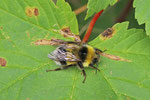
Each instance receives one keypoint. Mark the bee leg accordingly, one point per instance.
(94, 67)
(61, 68)
(97, 68)
(80, 65)
(101, 50)
(71, 42)
(60, 42)
(83, 71)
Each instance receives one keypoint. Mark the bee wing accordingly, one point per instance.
(60, 55)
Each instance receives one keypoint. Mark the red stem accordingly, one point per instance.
(90, 28)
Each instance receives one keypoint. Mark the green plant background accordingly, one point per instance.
(24, 77)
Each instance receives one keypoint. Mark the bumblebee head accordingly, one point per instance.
(96, 57)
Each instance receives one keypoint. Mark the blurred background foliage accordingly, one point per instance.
(106, 20)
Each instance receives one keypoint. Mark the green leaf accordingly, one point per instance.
(142, 13)
(24, 76)
(48, 19)
(94, 6)
(127, 79)
(24, 73)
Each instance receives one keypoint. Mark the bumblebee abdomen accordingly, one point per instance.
(72, 54)
(63, 62)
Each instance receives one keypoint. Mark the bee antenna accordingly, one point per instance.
(105, 50)
(100, 51)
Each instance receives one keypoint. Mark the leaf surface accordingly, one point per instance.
(24, 76)
(142, 13)
(21, 23)
(128, 79)
(94, 6)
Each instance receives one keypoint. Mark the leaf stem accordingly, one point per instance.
(125, 11)
(90, 28)
(80, 10)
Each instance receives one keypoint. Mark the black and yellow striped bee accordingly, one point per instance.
(75, 53)
(69, 54)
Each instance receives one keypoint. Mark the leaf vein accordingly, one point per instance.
(73, 86)
(22, 77)
(19, 53)
(129, 81)
(24, 20)
(115, 92)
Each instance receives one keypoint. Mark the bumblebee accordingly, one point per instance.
(75, 53)
(70, 54)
